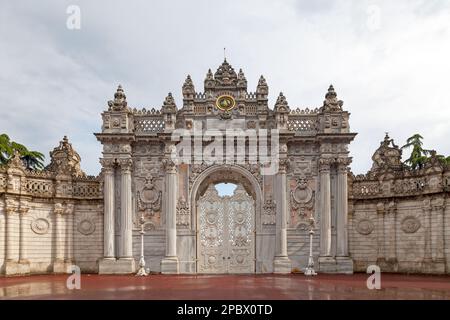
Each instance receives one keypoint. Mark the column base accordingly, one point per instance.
(119, 266)
(282, 264)
(344, 265)
(61, 266)
(169, 265)
(14, 268)
(336, 265)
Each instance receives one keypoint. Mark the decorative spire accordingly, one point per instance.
(242, 81)
(209, 75)
(281, 105)
(262, 90)
(188, 88)
(241, 75)
(120, 100)
(331, 102)
(262, 82)
(225, 75)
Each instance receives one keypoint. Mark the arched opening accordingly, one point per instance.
(225, 189)
(226, 204)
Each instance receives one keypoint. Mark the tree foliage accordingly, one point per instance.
(419, 155)
(32, 160)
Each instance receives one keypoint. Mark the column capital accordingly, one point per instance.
(11, 207)
(126, 164)
(324, 164)
(23, 209)
(343, 163)
(58, 208)
(283, 165)
(107, 163)
(169, 166)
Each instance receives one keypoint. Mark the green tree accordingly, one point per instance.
(419, 155)
(32, 160)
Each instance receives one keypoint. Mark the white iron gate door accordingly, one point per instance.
(226, 238)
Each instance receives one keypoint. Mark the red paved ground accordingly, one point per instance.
(226, 287)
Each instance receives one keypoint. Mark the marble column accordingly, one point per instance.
(281, 263)
(325, 201)
(108, 222)
(58, 264)
(344, 264)
(126, 209)
(438, 235)
(70, 231)
(23, 252)
(11, 241)
(170, 262)
(427, 263)
(342, 210)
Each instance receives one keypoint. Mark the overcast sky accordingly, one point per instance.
(388, 61)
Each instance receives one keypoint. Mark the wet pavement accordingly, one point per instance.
(227, 287)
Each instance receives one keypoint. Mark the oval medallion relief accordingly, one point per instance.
(410, 224)
(40, 225)
(364, 226)
(86, 227)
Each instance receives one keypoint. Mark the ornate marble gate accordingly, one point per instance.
(226, 235)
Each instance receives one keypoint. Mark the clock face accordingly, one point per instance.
(225, 103)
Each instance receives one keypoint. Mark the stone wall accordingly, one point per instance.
(399, 219)
(50, 219)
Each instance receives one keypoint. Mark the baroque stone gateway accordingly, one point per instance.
(392, 216)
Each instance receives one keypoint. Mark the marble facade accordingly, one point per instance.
(94, 222)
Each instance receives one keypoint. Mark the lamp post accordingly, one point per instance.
(141, 271)
(309, 271)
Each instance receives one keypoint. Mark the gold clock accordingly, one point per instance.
(225, 102)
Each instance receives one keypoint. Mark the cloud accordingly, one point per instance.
(392, 75)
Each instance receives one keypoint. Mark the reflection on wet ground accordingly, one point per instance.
(233, 287)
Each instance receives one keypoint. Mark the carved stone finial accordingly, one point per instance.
(331, 102)
(120, 100)
(188, 89)
(169, 105)
(16, 161)
(281, 106)
(242, 81)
